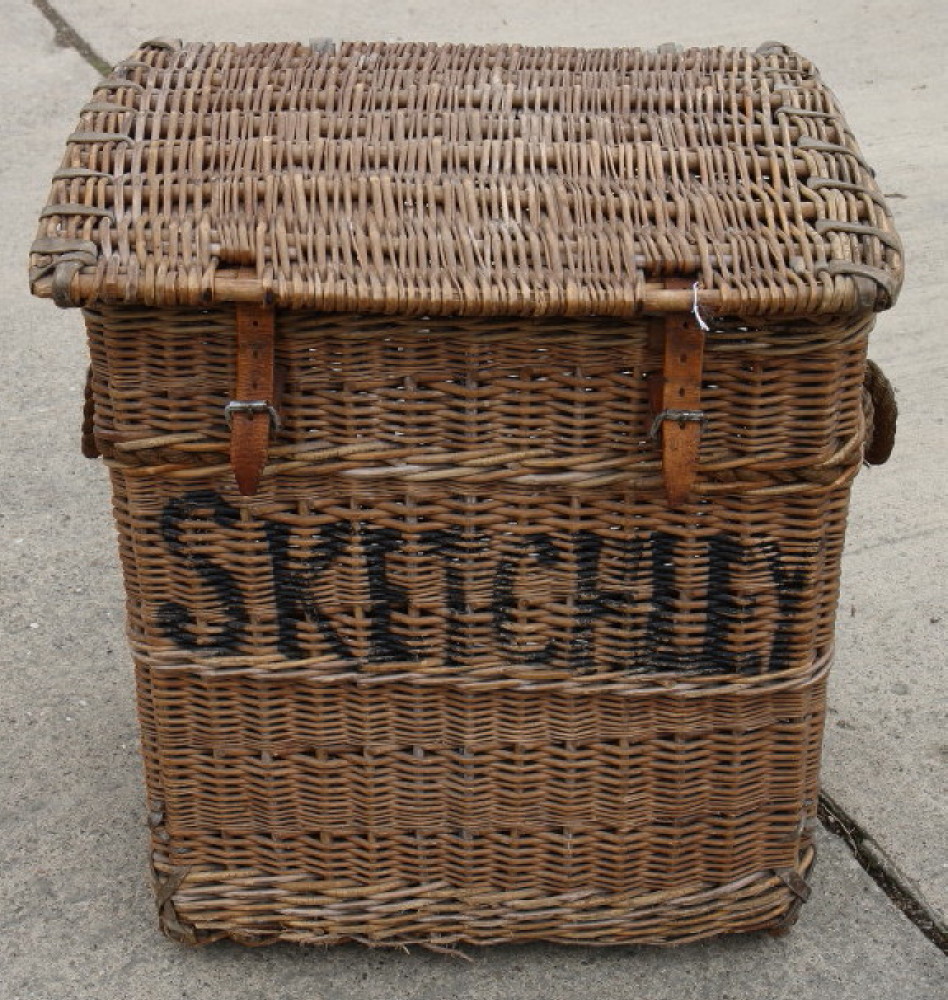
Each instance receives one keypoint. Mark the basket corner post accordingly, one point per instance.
(798, 891)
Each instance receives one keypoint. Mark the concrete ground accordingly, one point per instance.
(77, 919)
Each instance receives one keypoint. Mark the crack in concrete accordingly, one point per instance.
(882, 871)
(67, 37)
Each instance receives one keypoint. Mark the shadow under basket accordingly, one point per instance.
(481, 423)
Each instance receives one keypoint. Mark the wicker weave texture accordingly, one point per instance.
(451, 179)
(300, 810)
(457, 673)
(468, 501)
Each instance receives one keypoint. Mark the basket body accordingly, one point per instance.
(477, 593)
(457, 672)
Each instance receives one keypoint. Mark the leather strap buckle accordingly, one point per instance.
(696, 416)
(251, 406)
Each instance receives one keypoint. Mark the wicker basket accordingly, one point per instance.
(481, 424)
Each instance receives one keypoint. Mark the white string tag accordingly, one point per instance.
(696, 311)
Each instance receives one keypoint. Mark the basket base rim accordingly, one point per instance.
(199, 907)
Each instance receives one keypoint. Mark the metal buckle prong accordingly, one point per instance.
(683, 416)
(251, 406)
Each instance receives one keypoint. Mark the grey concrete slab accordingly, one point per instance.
(886, 747)
(78, 918)
(856, 37)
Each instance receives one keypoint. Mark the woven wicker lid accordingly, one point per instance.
(450, 179)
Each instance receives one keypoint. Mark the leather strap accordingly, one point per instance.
(680, 418)
(251, 410)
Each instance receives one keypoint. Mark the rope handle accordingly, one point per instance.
(884, 411)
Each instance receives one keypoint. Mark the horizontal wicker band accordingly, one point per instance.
(505, 677)
(851, 289)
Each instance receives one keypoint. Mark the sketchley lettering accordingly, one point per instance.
(356, 593)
